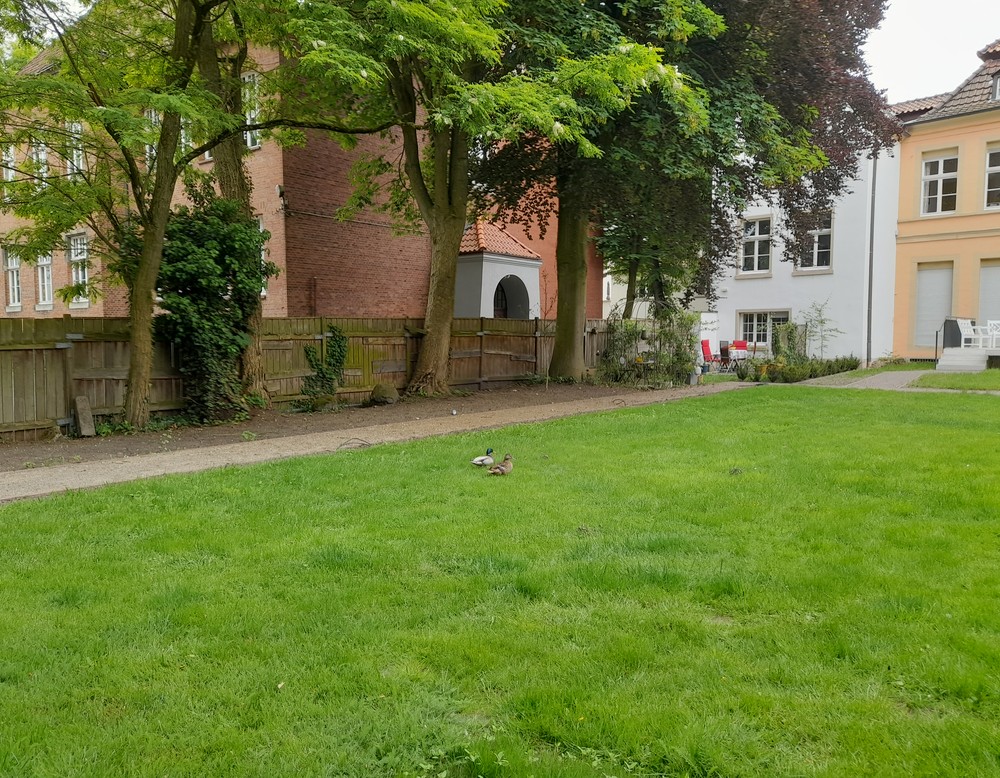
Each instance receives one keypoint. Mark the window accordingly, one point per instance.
(758, 328)
(995, 94)
(993, 179)
(79, 264)
(74, 153)
(44, 270)
(251, 109)
(153, 117)
(818, 251)
(756, 246)
(9, 163)
(12, 268)
(39, 156)
(940, 185)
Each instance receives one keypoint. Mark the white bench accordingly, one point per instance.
(993, 328)
(974, 336)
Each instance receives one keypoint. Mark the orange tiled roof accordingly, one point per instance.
(908, 109)
(483, 237)
(976, 92)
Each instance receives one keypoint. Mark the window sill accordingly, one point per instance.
(747, 274)
(44, 307)
(813, 271)
(12, 309)
(79, 304)
(938, 214)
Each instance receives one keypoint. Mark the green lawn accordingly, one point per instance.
(987, 380)
(792, 582)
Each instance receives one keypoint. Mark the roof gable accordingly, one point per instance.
(976, 92)
(483, 237)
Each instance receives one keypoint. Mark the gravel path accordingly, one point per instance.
(88, 474)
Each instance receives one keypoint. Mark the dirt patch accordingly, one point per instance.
(434, 413)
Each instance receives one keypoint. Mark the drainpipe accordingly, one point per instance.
(871, 263)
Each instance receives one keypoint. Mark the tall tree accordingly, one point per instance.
(783, 105)
(110, 102)
(438, 83)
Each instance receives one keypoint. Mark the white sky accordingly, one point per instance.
(928, 47)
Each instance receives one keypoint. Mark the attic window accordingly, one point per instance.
(995, 94)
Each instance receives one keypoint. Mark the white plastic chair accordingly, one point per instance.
(978, 337)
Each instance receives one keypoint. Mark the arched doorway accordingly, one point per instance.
(510, 299)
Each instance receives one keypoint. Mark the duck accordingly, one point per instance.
(504, 467)
(484, 461)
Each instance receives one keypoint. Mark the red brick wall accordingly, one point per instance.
(357, 268)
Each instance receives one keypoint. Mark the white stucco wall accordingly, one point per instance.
(844, 287)
(478, 276)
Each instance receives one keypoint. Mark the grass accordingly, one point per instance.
(987, 380)
(756, 583)
(850, 376)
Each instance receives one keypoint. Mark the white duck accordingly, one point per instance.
(484, 461)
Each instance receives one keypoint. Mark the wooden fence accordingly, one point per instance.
(46, 363)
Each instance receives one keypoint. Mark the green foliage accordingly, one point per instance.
(819, 327)
(655, 351)
(320, 388)
(210, 282)
(781, 369)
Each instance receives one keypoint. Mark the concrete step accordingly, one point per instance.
(962, 360)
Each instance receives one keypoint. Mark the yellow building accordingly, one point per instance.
(948, 237)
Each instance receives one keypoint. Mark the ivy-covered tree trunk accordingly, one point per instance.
(234, 184)
(571, 266)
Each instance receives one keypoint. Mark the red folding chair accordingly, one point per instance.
(706, 353)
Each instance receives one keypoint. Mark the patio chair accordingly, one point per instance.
(977, 337)
(993, 330)
(725, 365)
(707, 355)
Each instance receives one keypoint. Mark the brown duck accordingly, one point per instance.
(504, 467)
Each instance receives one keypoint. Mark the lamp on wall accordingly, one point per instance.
(279, 190)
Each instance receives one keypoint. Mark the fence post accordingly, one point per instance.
(482, 347)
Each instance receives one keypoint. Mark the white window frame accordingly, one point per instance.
(995, 93)
(753, 235)
(38, 153)
(12, 277)
(251, 108)
(757, 327)
(78, 256)
(43, 291)
(153, 117)
(9, 163)
(819, 258)
(934, 180)
(76, 162)
(992, 171)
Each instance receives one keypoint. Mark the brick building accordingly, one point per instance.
(355, 268)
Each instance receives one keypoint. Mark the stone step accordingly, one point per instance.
(962, 360)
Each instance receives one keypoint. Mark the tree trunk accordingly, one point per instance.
(431, 373)
(189, 25)
(571, 266)
(140, 367)
(633, 276)
(444, 207)
(234, 184)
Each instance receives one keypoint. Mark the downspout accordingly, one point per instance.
(871, 263)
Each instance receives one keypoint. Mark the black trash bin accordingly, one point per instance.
(952, 335)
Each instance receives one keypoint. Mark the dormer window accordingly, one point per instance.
(995, 93)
